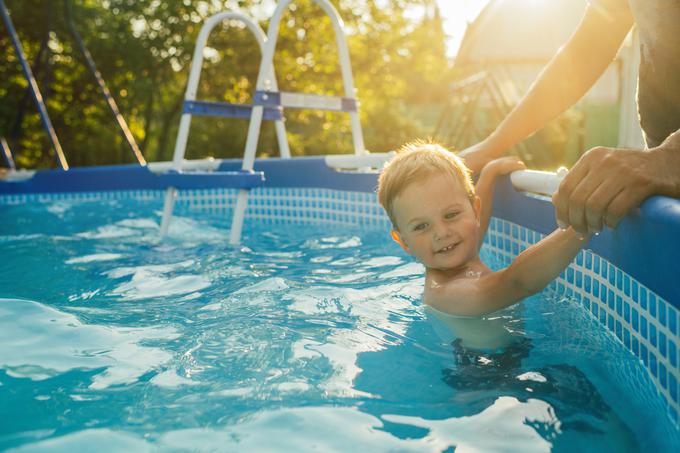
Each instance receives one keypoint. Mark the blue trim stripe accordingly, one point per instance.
(123, 177)
(210, 180)
(306, 172)
(227, 110)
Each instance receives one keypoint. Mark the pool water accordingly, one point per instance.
(302, 338)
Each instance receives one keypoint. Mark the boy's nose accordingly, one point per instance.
(441, 231)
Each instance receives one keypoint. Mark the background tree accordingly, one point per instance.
(143, 49)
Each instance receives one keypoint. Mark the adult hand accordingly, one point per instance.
(606, 183)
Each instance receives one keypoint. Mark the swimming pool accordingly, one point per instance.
(311, 333)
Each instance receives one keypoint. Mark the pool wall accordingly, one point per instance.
(625, 279)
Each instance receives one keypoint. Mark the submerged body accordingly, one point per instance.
(488, 333)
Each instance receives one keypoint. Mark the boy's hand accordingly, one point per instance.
(476, 157)
(504, 165)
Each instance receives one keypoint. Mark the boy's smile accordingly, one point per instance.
(437, 223)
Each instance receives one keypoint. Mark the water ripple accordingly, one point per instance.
(38, 342)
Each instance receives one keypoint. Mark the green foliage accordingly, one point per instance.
(144, 48)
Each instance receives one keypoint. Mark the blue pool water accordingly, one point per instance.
(303, 338)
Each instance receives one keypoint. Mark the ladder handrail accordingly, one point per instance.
(195, 74)
(263, 84)
(268, 61)
(190, 95)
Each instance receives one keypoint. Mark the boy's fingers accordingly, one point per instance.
(510, 164)
(516, 161)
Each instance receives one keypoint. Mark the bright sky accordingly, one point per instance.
(457, 13)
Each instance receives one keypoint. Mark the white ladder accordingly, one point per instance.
(265, 98)
(191, 107)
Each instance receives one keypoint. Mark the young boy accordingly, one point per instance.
(439, 218)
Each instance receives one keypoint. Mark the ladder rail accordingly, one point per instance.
(7, 154)
(35, 91)
(195, 74)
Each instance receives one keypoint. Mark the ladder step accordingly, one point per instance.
(228, 110)
(212, 180)
(305, 101)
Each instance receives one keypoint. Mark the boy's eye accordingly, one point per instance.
(420, 226)
(452, 214)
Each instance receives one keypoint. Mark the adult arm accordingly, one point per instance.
(607, 183)
(528, 274)
(566, 78)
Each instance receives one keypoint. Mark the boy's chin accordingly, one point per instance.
(451, 264)
(445, 267)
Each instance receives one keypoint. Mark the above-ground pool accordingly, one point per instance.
(311, 334)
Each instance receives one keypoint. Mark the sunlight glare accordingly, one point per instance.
(457, 14)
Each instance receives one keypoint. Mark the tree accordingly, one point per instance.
(143, 49)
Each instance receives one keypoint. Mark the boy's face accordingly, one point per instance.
(436, 222)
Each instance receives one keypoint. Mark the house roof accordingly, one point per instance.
(520, 30)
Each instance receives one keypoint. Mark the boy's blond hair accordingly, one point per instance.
(414, 162)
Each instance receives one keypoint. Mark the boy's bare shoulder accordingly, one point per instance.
(471, 294)
(453, 295)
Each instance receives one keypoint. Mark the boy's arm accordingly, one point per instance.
(485, 188)
(528, 274)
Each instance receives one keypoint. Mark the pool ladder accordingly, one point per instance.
(202, 108)
(268, 103)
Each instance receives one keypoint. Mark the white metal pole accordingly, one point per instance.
(346, 68)
(266, 68)
(168, 205)
(239, 215)
(541, 182)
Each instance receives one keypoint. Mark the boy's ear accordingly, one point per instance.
(477, 206)
(395, 235)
